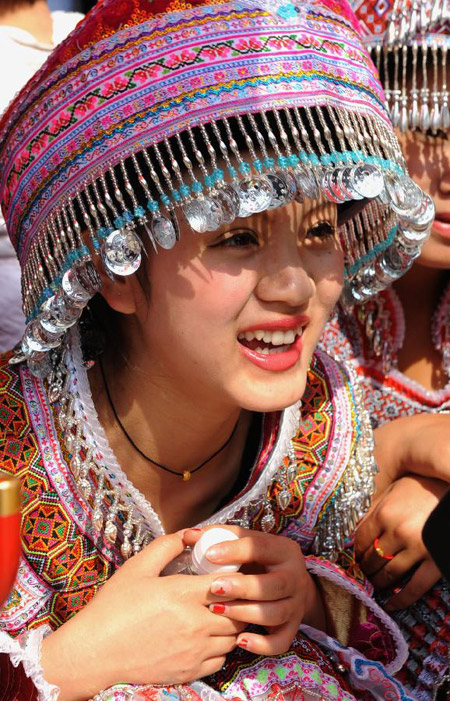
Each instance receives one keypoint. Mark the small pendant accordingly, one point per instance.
(268, 521)
(291, 472)
(186, 476)
(126, 549)
(284, 499)
(111, 532)
(97, 519)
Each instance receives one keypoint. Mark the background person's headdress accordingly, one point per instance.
(217, 110)
(409, 42)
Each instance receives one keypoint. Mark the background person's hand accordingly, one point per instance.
(417, 444)
(273, 589)
(141, 628)
(394, 526)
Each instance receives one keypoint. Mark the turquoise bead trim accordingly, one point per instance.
(379, 248)
(196, 187)
(244, 168)
(185, 190)
(269, 163)
(71, 258)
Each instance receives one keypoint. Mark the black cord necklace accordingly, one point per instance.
(186, 474)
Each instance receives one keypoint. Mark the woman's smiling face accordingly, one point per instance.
(234, 316)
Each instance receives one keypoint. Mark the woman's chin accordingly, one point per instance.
(273, 394)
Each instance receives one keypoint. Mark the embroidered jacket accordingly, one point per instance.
(65, 561)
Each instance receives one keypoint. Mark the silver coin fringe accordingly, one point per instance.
(411, 48)
(114, 520)
(203, 177)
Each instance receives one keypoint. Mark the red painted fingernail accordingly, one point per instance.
(396, 590)
(217, 608)
(243, 643)
(194, 529)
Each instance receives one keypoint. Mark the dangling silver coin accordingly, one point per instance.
(40, 368)
(229, 200)
(423, 217)
(88, 277)
(214, 213)
(306, 183)
(411, 239)
(255, 195)
(367, 180)
(144, 223)
(18, 356)
(121, 252)
(74, 290)
(38, 339)
(393, 263)
(335, 183)
(164, 230)
(327, 190)
(368, 282)
(59, 313)
(284, 189)
(405, 195)
(196, 215)
(345, 180)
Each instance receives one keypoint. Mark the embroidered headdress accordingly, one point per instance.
(209, 110)
(409, 42)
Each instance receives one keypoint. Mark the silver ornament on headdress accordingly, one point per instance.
(210, 175)
(412, 61)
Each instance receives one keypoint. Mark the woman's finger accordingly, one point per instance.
(264, 549)
(394, 571)
(422, 580)
(367, 531)
(275, 642)
(271, 586)
(381, 552)
(263, 613)
(221, 645)
(219, 626)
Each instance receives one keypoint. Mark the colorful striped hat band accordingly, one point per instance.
(148, 114)
(409, 42)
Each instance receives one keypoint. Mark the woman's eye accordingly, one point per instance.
(321, 230)
(241, 239)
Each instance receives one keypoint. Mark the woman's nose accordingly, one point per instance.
(286, 283)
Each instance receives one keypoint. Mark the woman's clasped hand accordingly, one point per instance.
(149, 629)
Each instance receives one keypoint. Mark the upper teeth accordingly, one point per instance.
(276, 338)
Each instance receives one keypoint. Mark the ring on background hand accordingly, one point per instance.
(379, 550)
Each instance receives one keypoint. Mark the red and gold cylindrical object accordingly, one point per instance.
(9, 533)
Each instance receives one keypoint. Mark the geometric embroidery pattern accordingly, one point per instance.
(56, 549)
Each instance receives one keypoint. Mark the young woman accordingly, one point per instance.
(171, 177)
(399, 341)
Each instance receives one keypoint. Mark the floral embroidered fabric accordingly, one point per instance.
(63, 565)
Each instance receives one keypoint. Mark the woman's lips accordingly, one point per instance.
(442, 228)
(282, 324)
(278, 358)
